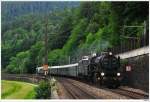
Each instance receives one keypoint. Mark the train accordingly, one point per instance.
(102, 69)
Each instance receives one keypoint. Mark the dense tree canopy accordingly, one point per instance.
(91, 26)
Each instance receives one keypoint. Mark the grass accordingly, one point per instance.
(17, 90)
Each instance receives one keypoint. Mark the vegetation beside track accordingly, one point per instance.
(17, 90)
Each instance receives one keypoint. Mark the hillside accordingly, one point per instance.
(11, 10)
(89, 27)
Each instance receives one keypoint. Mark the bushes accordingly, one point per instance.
(43, 91)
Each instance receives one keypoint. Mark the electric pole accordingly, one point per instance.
(45, 66)
(46, 42)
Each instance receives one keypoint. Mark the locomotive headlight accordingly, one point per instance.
(98, 78)
(102, 74)
(118, 74)
(110, 53)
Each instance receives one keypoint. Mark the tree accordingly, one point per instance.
(36, 56)
(18, 64)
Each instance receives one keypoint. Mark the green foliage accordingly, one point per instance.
(43, 91)
(53, 56)
(90, 38)
(92, 27)
(88, 9)
(64, 30)
(9, 89)
(17, 90)
(76, 37)
(36, 56)
(18, 64)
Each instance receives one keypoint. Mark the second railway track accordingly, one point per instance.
(130, 94)
(134, 95)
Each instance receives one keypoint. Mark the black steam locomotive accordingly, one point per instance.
(102, 69)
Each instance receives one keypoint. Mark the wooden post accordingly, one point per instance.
(45, 39)
(144, 33)
(69, 59)
(45, 66)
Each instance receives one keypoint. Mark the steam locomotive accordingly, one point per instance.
(102, 69)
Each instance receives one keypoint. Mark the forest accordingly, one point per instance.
(74, 29)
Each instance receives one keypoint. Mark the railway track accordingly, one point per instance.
(120, 91)
(130, 94)
(74, 91)
(31, 78)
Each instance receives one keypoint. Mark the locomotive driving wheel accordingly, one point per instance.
(96, 78)
(112, 84)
